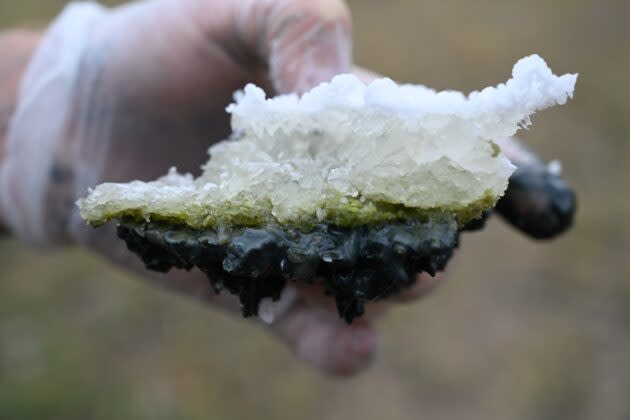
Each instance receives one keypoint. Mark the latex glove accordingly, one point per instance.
(112, 96)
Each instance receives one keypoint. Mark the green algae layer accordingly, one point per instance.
(342, 211)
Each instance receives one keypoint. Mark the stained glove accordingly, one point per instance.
(113, 95)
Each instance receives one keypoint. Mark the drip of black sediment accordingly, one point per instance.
(356, 265)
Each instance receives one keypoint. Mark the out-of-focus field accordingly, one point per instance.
(521, 330)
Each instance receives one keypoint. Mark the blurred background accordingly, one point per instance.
(520, 330)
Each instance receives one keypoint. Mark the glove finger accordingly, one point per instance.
(302, 42)
(538, 201)
(319, 337)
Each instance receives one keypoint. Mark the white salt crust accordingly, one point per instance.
(402, 144)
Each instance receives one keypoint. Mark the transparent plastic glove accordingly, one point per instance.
(123, 94)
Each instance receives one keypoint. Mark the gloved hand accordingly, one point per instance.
(123, 94)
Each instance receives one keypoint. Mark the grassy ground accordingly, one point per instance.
(521, 330)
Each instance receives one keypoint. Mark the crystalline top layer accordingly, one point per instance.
(348, 154)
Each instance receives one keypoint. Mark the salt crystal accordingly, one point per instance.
(345, 141)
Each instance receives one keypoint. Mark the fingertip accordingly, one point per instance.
(325, 342)
(351, 348)
(362, 345)
(538, 202)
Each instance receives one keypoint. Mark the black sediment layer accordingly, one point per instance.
(356, 265)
